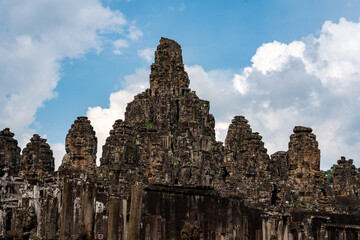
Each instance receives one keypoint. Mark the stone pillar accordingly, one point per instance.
(134, 229)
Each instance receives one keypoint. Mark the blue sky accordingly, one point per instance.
(280, 63)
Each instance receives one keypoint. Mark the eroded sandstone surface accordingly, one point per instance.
(37, 159)
(163, 175)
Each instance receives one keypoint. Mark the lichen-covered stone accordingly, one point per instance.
(346, 183)
(119, 164)
(37, 158)
(175, 136)
(346, 178)
(168, 69)
(246, 162)
(81, 145)
(281, 185)
(279, 167)
(9, 153)
(308, 184)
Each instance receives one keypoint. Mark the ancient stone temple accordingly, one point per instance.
(80, 147)
(346, 185)
(246, 163)
(163, 175)
(9, 154)
(37, 159)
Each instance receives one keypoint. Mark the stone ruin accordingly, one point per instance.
(163, 175)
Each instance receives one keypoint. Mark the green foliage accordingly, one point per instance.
(206, 133)
(329, 174)
(148, 125)
(175, 160)
(312, 207)
(305, 205)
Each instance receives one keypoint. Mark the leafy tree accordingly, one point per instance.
(329, 174)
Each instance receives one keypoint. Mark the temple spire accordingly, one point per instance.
(168, 69)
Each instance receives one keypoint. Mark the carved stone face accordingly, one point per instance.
(81, 145)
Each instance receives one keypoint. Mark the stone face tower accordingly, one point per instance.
(168, 70)
(304, 168)
(37, 160)
(81, 144)
(246, 162)
(168, 131)
(346, 179)
(304, 156)
(9, 153)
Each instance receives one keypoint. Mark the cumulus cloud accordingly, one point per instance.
(58, 153)
(34, 37)
(118, 44)
(133, 32)
(102, 119)
(147, 54)
(274, 56)
(313, 82)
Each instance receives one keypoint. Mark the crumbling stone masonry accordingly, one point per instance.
(37, 159)
(163, 175)
(80, 148)
(346, 183)
(9, 154)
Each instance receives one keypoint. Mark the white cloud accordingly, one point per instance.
(314, 82)
(117, 52)
(299, 83)
(181, 7)
(58, 152)
(221, 129)
(34, 37)
(240, 81)
(133, 32)
(334, 56)
(273, 56)
(120, 43)
(102, 119)
(147, 54)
